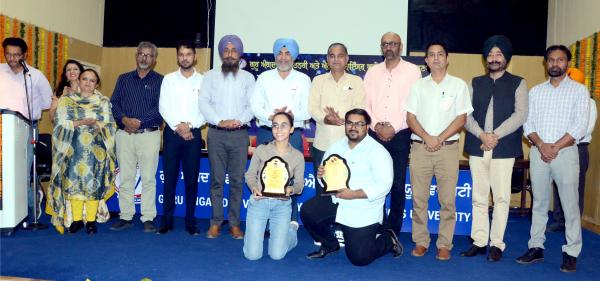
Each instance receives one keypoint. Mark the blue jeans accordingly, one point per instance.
(283, 236)
(264, 135)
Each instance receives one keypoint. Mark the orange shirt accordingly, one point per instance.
(387, 92)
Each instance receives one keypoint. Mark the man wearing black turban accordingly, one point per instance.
(493, 142)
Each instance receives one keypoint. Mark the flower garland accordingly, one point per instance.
(586, 57)
(47, 50)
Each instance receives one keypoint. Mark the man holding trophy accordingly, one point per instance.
(357, 197)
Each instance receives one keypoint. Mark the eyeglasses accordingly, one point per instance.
(358, 124)
(142, 55)
(392, 44)
(282, 126)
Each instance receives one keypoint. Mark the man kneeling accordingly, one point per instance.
(357, 208)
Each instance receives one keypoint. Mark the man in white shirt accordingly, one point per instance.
(282, 89)
(179, 105)
(437, 108)
(356, 208)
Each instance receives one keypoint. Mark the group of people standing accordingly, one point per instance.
(377, 125)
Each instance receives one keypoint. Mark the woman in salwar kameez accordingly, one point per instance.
(83, 156)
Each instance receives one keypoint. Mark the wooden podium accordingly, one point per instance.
(14, 137)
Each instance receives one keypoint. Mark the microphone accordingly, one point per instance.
(24, 65)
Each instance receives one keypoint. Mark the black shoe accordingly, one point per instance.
(121, 225)
(473, 251)
(91, 227)
(398, 248)
(192, 230)
(532, 255)
(164, 230)
(495, 254)
(569, 263)
(556, 227)
(322, 252)
(149, 226)
(75, 226)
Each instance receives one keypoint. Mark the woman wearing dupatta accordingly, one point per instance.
(83, 156)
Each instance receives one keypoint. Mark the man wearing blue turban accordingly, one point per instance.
(282, 89)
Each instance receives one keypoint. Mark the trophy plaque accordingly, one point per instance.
(274, 178)
(336, 175)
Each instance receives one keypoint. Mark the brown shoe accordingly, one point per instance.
(418, 251)
(213, 232)
(236, 232)
(443, 254)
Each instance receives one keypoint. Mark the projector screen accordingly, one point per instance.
(313, 23)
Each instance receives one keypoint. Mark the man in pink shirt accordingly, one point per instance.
(387, 86)
(12, 95)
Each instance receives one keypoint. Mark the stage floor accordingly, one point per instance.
(135, 255)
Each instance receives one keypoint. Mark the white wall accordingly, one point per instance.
(80, 19)
(315, 24)
(572, 20)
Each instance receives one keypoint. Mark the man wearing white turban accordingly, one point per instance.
(282, 89)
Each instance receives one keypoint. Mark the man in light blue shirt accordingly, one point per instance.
(225, 103)
(357, 208)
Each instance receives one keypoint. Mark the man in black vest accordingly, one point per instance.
(493, 141)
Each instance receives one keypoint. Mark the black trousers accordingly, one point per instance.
(362, 244)
(179, 153)
(317, 158)
(399, 148)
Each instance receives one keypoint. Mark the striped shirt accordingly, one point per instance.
(556, 111)
(136, 97)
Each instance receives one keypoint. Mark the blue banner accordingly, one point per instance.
(203, 202)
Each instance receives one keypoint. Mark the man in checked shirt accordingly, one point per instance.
(558, 117)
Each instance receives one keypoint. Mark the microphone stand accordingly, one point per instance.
(35, 225)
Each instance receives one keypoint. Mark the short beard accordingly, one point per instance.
(284, 67)
(228, 67)
(557, 73)
(143, 66)
(184, 67)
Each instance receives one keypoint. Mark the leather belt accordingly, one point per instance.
(443, 143)
(244, 127)
(146, 130)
